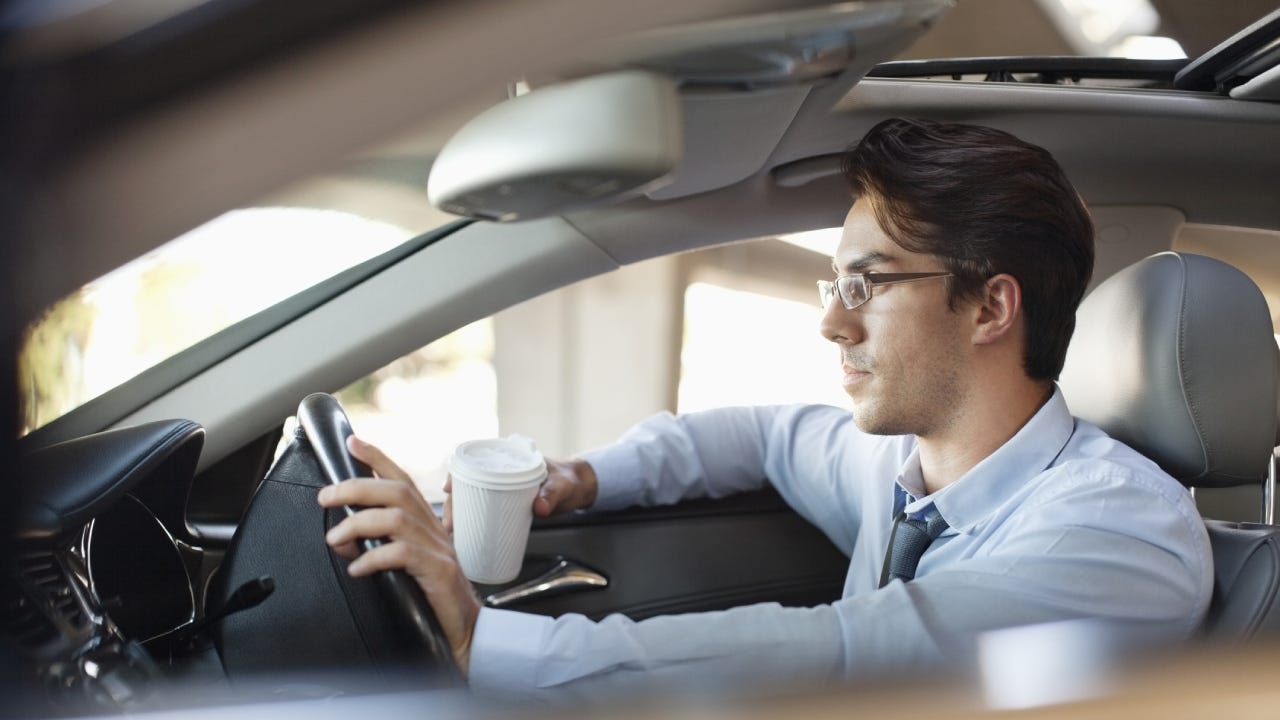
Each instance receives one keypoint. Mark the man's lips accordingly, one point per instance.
(853, 375)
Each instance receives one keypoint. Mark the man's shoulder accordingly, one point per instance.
(1094, 459)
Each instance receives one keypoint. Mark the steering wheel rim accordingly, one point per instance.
(327, 428)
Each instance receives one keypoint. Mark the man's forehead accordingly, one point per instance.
(865, 246)
(863, 243)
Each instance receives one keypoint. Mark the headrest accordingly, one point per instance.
(1175, 357)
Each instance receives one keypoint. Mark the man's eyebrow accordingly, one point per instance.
(860, 263)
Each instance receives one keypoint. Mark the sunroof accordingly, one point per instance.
(1112, 28)
(1111, 72)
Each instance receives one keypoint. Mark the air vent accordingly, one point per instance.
(23, 619)
(40, 604)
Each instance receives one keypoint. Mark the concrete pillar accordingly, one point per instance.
(578, 366)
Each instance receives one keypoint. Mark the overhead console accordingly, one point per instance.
(636, 97)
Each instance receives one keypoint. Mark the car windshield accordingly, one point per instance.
(226, 270)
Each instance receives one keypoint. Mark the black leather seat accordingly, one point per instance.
(1246, 568)
(1175, 356)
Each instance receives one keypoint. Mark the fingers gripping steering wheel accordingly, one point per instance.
(327, 429)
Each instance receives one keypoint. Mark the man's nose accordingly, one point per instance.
(840, 325)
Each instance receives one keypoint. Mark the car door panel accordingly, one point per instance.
(695, 556)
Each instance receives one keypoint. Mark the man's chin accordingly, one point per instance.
(873, 422)
(867, 420)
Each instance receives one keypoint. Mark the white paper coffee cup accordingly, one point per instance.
(494, 484)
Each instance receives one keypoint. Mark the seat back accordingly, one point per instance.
(1246, 568)
(1175, 356)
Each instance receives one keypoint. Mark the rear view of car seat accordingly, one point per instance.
(1175, 356)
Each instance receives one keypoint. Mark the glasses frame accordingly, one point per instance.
(844, 286)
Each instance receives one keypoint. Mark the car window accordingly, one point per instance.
(747, 347)
(224, 271)
(574, 368)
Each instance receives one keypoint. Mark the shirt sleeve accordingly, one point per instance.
(1102, 548)
(930, 624)
(571, 658)
(668, 458)
(715, 453)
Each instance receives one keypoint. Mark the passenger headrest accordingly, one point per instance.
(1175, 356)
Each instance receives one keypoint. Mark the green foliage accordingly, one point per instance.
(50, 361)
(170, 316)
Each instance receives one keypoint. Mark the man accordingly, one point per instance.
(960, 267)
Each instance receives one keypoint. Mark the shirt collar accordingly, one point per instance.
(965, 503)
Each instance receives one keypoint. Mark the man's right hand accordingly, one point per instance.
(570, 485)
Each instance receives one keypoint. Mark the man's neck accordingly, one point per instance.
(978, 431)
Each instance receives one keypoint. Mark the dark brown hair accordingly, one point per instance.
(985, 203)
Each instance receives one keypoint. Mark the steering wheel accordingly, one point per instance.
(327, 429)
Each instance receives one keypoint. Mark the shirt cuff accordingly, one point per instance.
(615, 488)
(504, 652)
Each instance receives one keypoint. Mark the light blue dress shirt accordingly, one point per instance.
(1061, 522)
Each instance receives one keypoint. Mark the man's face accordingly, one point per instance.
(904, 351)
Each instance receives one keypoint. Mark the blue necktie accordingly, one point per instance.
(907, 542)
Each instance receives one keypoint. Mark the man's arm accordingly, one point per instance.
(715, 453)
(813, 455)
(667, 458)
(659, 461)
(757, 647)
(1112, 544)
(1110, 551)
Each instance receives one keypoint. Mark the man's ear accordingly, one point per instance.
(998, 310)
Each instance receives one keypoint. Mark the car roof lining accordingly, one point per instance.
(1148, 127)
(1090, 129)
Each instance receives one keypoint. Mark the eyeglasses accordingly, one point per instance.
(855, 289)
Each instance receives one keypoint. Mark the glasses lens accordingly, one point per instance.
(854, 290)
(826, 293)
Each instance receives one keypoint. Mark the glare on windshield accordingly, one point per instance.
(214, 276)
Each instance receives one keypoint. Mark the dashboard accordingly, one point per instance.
(103, 593)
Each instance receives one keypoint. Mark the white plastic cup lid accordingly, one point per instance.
(510, 463)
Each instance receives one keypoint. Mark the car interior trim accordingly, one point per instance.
(75, 480)
(1045, 70)
(1214, 69)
